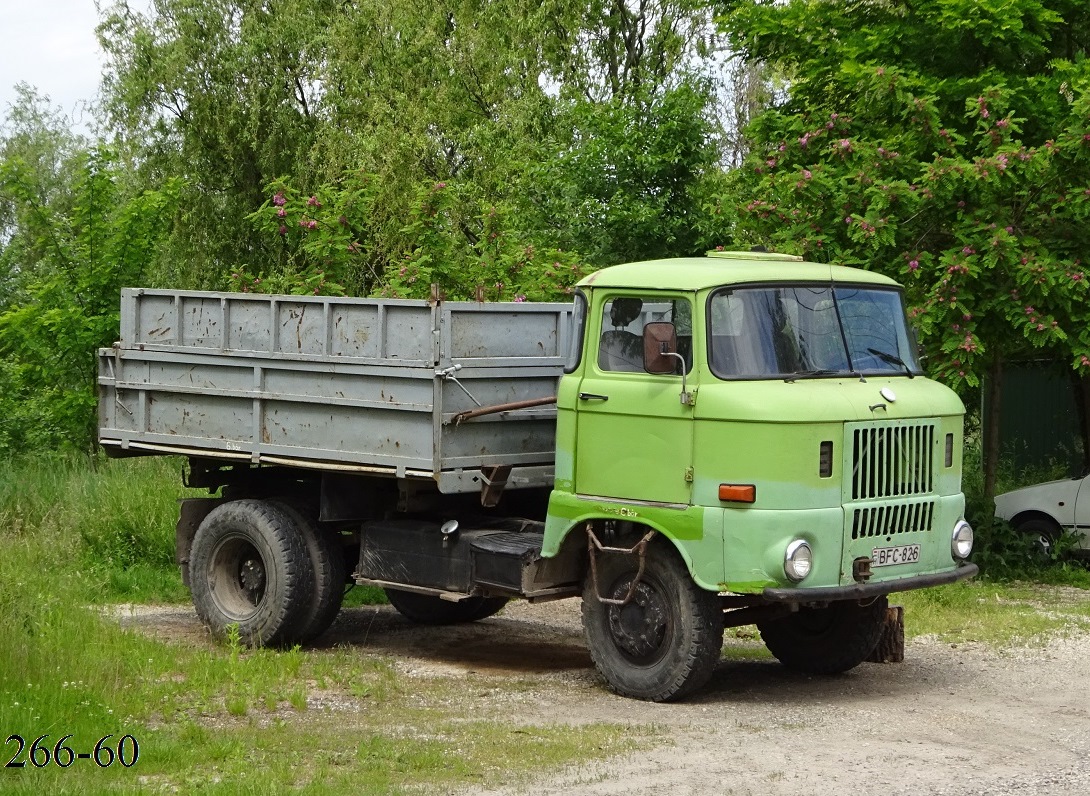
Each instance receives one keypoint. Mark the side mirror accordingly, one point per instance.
(660, 348)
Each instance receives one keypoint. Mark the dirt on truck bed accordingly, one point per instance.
(952, 719)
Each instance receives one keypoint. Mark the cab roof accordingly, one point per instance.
(727, 268)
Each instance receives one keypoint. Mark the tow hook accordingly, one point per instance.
(861, 570)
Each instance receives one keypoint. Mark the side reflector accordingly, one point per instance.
(738, 493)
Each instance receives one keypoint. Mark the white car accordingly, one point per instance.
(1049, 509)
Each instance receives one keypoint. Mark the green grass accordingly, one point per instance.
(114, 520)
(995, 613)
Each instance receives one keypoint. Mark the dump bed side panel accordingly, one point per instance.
(358, 384)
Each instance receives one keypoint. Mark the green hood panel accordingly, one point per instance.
(825, 400)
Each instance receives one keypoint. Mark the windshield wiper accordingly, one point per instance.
(892, 359)
(811, 374)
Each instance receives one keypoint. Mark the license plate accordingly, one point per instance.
(891, 556)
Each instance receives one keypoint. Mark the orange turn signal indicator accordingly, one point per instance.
(738, 493)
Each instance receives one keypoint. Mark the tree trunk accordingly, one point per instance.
(994, 389)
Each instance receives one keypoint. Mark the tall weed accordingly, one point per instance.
(113, 519)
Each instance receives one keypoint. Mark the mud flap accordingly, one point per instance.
(891, 644)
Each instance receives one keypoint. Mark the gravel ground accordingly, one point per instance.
(952, 720)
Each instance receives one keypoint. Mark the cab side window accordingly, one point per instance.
(621, 345)
(620, 348)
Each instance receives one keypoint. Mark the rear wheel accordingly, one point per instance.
(327, 562)
(428, 609)
(666, 641)
(826, 640)
(249, 567)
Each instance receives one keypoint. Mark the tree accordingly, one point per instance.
(946, 143)
(623, 180)
(75, 248)
(224, 94)
(39, 139)
(524, 112)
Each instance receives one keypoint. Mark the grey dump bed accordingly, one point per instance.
(360, 385)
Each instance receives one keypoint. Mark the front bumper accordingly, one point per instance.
(858, 591)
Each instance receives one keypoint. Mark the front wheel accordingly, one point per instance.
(666, 641)
(1043, 533)
(428, 609)
(827, 640)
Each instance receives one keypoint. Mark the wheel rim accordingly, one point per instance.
(640, 629)
(1044, 544)
(238, 577)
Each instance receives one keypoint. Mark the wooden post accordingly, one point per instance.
(891, 644)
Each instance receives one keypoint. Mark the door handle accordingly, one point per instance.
(591, 396)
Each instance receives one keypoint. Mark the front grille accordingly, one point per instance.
(892, 460)
(892, 519)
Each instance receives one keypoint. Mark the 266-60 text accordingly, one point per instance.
(40, 753)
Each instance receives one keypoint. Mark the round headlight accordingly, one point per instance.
(961, 543)
(798, 560)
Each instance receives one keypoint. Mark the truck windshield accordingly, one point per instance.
(796, 331)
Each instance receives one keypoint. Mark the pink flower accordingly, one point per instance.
(806, 174)
(283, 230)
(313, 202)
(281, 212)
(278, 199)
(520, 297)
(914, 265)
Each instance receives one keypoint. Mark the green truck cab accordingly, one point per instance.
(767, 422)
